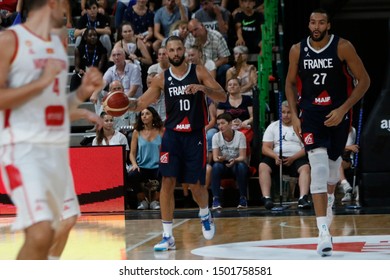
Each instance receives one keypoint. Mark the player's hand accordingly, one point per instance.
(95, 119)
(52, 68)
(92, 81)
(297, 126)
(194, 88)
(334, 117)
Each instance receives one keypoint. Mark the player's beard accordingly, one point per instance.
(177, 63)
(318, 39)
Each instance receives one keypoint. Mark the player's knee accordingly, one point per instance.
(319, 170)
(334, 171)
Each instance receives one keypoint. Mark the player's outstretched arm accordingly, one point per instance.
(149, 96)
(80, 113)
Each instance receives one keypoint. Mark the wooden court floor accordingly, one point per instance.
(253, 233)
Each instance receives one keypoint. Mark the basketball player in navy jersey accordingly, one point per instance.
(331, 79)
(35, 115)
(183, 153)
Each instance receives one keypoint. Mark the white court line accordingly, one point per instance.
(128, 249)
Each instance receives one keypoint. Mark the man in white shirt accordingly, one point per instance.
(295, 162)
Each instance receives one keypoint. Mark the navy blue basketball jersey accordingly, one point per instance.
(185, 112)
(324, 82)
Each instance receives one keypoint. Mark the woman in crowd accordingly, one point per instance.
(89, 53)
(246, 73)
(241, 108)
(145, 156)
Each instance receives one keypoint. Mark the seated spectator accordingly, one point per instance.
(96, 20)
(245, 73)
(350, 149)
(213, 45)
(179, 29)
(195, 55)
(241, 109)
(90, 52)
(142, 19)
(130, 76)
(295, 162)
(213, 17)
(145, 155)
(168, 14)
(101, 6)
(248, 26)
(135, 49)
(108, 135)
(229, 155)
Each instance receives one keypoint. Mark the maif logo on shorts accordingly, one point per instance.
(308, 138)
(164, 157)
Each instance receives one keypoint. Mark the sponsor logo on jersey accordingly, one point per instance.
(308, 138)
(50, 50)
(54, 115)
(323, 99)
(319, 63)
(183, 126)
(164, 157)
(385, 124)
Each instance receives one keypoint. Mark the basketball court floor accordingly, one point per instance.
(253, 233)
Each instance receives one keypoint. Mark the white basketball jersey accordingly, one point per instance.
(44, 118)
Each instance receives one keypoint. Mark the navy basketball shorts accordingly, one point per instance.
(315, 134)
(183, 155)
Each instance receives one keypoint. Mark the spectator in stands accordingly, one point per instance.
(295, 162)
(213, 17)
(248, 26)
(240, 107)
(350, 149)
(120, 9)
(130, 76)
(8, 11)
(95, 20)
(195, 55)
(168, 14)
(108, 135)
(142, 19)
(244, 72)
(135, 49)
(101, 6)
(214, 47)
(145, 155)
(179, 29)
(90, 52)
(229, 155)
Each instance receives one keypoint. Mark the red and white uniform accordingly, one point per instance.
(34, 138)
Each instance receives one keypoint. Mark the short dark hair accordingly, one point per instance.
(34, 4)
(90, 3)
(322, 11)
(174, 38)
(225, 116)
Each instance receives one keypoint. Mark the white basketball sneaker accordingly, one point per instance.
(167, 243)
(208, 226)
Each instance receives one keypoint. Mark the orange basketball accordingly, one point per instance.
(116, 103)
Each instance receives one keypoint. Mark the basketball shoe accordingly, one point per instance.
(208, 227)
(167, 243)
(325, 246)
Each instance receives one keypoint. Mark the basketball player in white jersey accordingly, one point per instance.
(35, 114)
